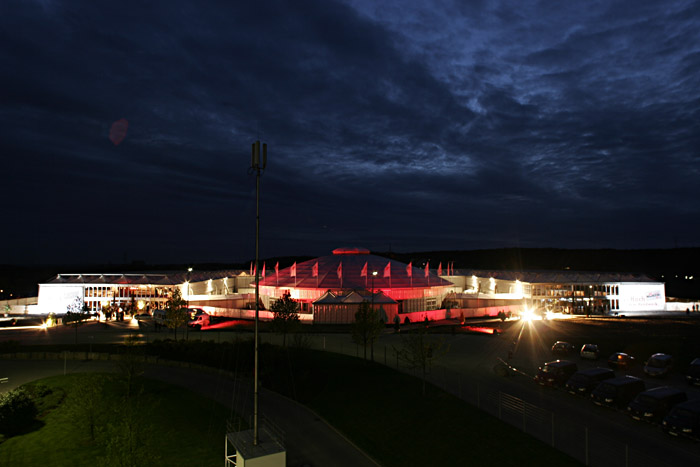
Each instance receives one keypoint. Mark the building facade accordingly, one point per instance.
(330, 288)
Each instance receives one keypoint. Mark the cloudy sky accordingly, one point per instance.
(402, 125)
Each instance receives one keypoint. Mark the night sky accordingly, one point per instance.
(391, 125)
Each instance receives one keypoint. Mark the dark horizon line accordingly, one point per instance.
(181, 264)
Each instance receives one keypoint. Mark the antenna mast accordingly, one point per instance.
(258, 164)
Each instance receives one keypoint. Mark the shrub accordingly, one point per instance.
(17, 411)
(75, 317)
(40, 390)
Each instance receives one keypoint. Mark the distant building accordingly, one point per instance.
(330, 288)
(566, 291)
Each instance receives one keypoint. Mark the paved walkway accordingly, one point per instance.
(309, 440)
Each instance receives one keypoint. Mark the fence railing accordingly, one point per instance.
(585, 444)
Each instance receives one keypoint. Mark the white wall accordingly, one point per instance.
(56, 297)
(680, 306)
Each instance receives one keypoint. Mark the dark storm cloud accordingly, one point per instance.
(390, 124)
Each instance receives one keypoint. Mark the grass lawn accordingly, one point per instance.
(384, 412)
(171, 426)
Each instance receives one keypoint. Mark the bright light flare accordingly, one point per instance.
(552, 315)
(528, 315)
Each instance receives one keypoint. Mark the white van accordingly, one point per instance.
(199, 321)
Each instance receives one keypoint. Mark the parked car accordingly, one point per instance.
(562, 348)
(684, 420)
(200, 320)
(658, 365)
(653, 404)
(194, 312)
(555, 373)
(159, 318)
(692, 376)
(584, 381)
(617, 392)
(620, 361)
(590, 351)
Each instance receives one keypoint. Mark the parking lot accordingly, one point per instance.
(595, 435)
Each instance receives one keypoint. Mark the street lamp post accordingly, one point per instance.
(374, 273)
(189, 288)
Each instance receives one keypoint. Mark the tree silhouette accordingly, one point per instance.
(286, 316)
(176, 311)
(367, 327)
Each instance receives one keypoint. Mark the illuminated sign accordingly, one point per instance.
(642, 297)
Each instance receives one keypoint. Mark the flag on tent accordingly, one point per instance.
(440, 269)
(277, 268)
(427, 269)
(251, 268)
(409, 269)
(293, 271)
(363, 273)
(314, 270)
(387, 270)
(340, 270)
(255, 270)
(263, 271)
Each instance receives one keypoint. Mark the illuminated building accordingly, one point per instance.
(330, 288)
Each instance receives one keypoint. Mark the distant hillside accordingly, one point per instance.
(684, 260)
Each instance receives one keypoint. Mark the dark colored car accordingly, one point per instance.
(617, 392)
(590, 351)
(584, 381)
(658, 365)
(562, 348)
(684, 420)
(692, 376)
(555, 373)
(653, 404)
(620, 361)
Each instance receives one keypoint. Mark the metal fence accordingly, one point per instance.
(589, 446)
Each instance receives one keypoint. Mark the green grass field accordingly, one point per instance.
(170, 426)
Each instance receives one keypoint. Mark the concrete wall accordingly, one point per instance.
(681, 306)
(278, 459)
